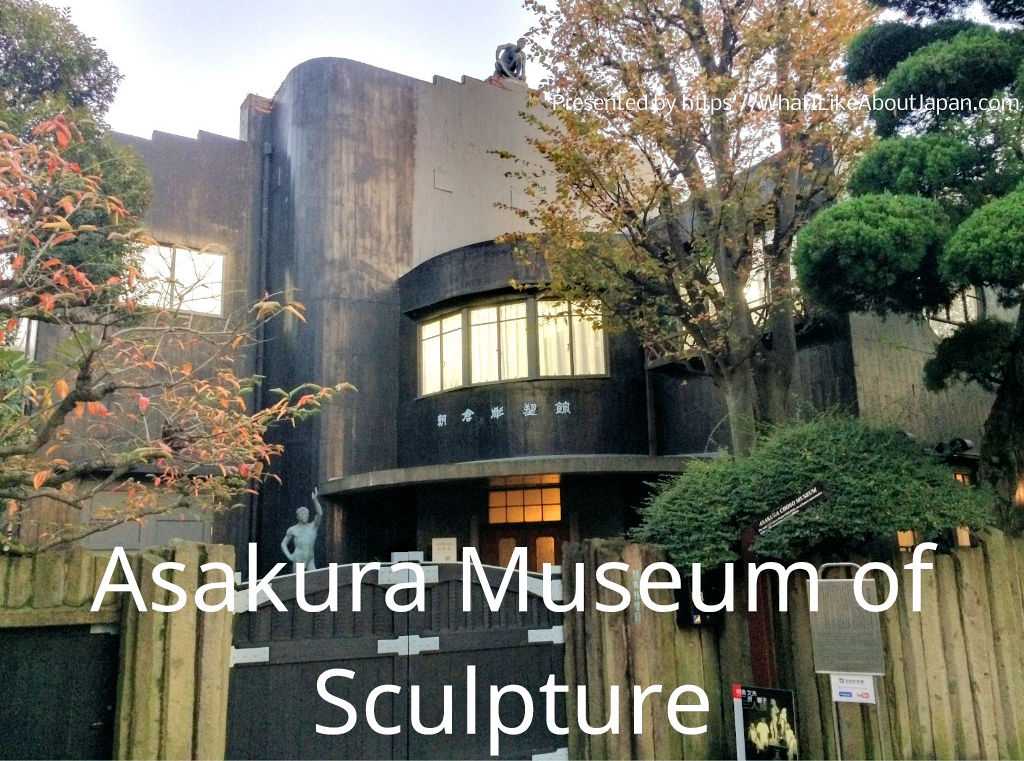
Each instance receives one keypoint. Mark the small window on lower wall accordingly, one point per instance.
(968, 306)
(524, 499)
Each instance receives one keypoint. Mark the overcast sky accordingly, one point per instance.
(188, 64)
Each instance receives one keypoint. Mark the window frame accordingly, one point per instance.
(500, 345)
(439, 320)
(572, 342)
(169, 297)
(943, 324)
(532, 343)
(543, 485)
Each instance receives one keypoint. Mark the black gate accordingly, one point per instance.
(59, 689)
(278, 657)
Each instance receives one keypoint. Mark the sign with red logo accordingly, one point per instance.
(853, 688)
(765, 722)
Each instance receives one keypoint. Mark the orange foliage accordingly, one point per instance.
(117, 408)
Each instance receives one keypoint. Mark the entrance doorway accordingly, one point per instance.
(524, 511)
(543, 543)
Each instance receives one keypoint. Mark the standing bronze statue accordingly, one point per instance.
(303, 536)
(510, 60)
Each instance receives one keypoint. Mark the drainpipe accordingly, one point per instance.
(652, 425)
(261, 288)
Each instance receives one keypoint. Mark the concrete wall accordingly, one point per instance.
(889, 358)
(205, 195)
(458, 178)
(340, 200)
(370, 172)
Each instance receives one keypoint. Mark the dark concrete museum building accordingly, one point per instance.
(488, 415)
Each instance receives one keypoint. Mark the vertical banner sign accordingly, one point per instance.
(765, 723)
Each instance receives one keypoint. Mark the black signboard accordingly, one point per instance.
(765, 723)
(795, 506)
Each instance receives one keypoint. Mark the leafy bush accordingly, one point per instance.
(988, 247)
(881, 47)
(877, 482)
(886, 248)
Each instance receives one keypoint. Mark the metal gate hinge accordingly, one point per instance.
(250, 655)
(408, 645)
(555, 635)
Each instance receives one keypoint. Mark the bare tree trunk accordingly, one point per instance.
(741, 404)
(1002, 450)
(775, 372)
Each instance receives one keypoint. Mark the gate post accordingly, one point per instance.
(173, 688)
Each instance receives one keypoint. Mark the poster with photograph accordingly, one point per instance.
(765, 723)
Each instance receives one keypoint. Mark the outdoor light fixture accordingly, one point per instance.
(906, 540)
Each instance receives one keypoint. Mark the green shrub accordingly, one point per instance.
(877, 481)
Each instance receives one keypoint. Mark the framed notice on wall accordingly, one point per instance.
(765, 723)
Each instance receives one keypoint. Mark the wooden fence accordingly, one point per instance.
(954, 684)
(172, 672)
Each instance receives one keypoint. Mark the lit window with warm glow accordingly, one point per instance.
(498, 342)
(510, 340)
(441, 354)
(524, 499)
(569, 338)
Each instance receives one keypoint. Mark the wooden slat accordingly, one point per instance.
(936, 666)
(916, 667)
(980, 655)
(894, 684)
(25, 617)
(961, 699)
(1007, 633)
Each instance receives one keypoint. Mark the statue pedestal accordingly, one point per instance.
(508, 83)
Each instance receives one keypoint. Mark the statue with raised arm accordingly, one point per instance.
(510, 60)
(303, 536)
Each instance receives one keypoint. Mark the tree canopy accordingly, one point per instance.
(1001, 10)
(49, 68)
(683, 152)
(937, 209)
(876, 481)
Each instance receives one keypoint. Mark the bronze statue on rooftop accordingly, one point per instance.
(510, 60)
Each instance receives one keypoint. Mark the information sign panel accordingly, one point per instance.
(845, 637)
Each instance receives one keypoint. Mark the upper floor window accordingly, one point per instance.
(183, 279)
(441, 354)
(965, 307)
(569, 338)
(498, 342)
(528, 338)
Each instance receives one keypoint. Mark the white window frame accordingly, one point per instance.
(576, 321)
(166, 289)
(968, 306)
